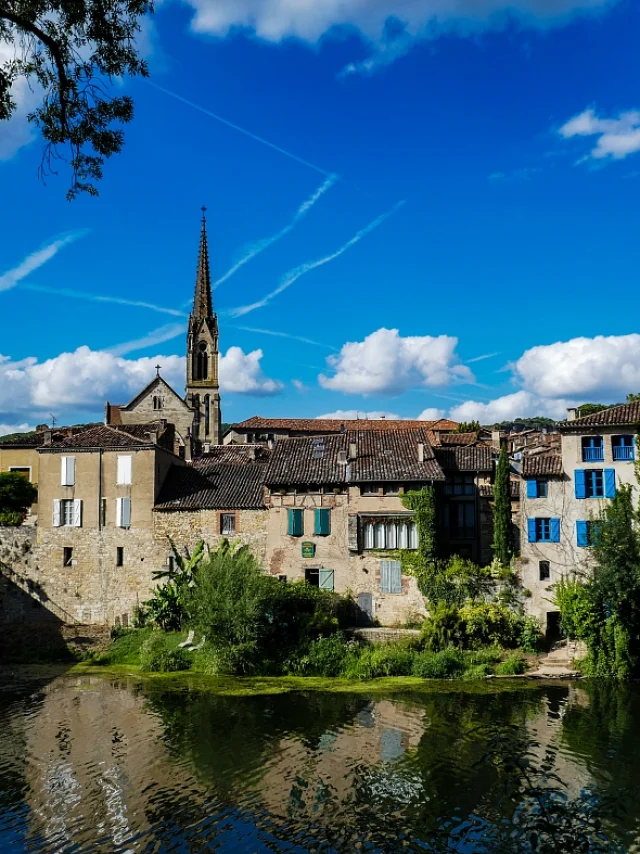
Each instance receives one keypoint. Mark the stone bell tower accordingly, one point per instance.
(203, 391)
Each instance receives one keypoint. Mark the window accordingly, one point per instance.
(545, 570)
(587, 533)
(124, 470)
(157, 402)
(369, 489)
(390, 534)
(103, 512)
(207, 415)
(202, 362)
(322, 522)
(623, 448)
(227, 523)
(460, 519)
(592, 449)
(68, 471)
(537, 488)
(459, 484)
(390, 576)
(67, 556)
(595, 483)
(119, 556)
(24, 471)
(312, 575)
(67, 512)
(295, 522)
(543, 530)
(391, 489)
(123, 512)
(282, 578)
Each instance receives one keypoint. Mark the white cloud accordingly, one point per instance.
(520, 404)
(299, 385)
(36, 259)
(431, 413)
(84, 379)
(6, 429)
(603, 368)
(358, 414)
(616, 138)
(388, 27)
(17, 131)
(386, 363)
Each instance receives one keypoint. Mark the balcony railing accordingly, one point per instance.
(593, 455)
(623, 452)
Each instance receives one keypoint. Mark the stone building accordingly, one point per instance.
(197, 416)
(564, 495)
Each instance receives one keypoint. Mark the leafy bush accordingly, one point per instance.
(157, 657)
(489, 655)
(443, 628)
(17, 494)
(11, 518)
(530, 634)
(477, 671)
(438, 665)
(326, 657)
(489, 623)
(511, 666)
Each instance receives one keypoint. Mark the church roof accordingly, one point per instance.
(113, 410)
(202, 302)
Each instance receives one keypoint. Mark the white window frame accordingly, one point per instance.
(67, 471)
(60, 513)
(235, 524)
(120, 514)
(124, 467)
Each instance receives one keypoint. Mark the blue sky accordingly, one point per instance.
(495, 158)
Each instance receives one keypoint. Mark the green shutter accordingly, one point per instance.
(325, 579)
(323, 522)
(295, 522)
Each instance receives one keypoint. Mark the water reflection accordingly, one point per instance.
(106, 765)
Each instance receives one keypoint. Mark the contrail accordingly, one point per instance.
(238, 128)
(156, 336)
(480, 358)
(283, 335)
(36, 259)
(261, 245)
(63, 292)
(290, 277)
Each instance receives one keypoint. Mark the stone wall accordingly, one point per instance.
(187, 527)
(21, 595)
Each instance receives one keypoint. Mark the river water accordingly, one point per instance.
(102, 764)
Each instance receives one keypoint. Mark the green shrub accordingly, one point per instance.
(325, 657)
(11, 518)
(477, 671)
(489, 623)
(17, 494)
(530, 634)
(438, 665)
(443, 628)
(157, 657)
(489, 655)
(511, 666)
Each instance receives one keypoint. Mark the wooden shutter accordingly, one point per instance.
(56, 513)
(295, 522)
(68, 471)
(322, 522)
(581, 483)
(125, 519)
(390, 576)
(582, 534)
(77, 512)
(119, 512)
(609, 483)
(554, 530)
(325, 579)
(532, 489)
(124, 469)
(531, 530)
(352, 533)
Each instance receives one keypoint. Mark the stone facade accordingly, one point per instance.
(187, 527)
(157, 400)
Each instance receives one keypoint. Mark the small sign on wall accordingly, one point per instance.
(308, 549)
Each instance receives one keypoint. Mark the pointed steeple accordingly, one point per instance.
(202, 302)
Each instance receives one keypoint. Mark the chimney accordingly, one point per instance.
(42, 428)
(420, 452)
(572, 413)
(353, 451)
(495, 439)
(47, 437)
(252, 453)
(153, 437)
(206, 447)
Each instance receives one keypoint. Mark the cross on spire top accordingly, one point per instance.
(158, 370)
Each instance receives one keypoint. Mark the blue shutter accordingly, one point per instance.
(323, 522)
(391, 576)
(609, 483)
(325, 579)
(295, 522)
(532, 489)
(582, 533)
(554, 529)
(531, 530)
(581, 483)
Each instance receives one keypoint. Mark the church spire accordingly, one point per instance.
(202, 302)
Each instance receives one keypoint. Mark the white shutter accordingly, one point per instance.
(119, 512)
(124, 469)
(413, 535)
(368, 535)
(67, 471)
(77, 512)
(56, 513)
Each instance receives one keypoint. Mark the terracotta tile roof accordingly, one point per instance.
(486, 489)
(326, 425)
(625, 415)
(458, 438)
(102, 436)
(465, 458)
(213, 487)
(535, 465)
(388, 456)
(233, 454)
(35, 438)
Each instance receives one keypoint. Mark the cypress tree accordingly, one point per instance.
(502, 528)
